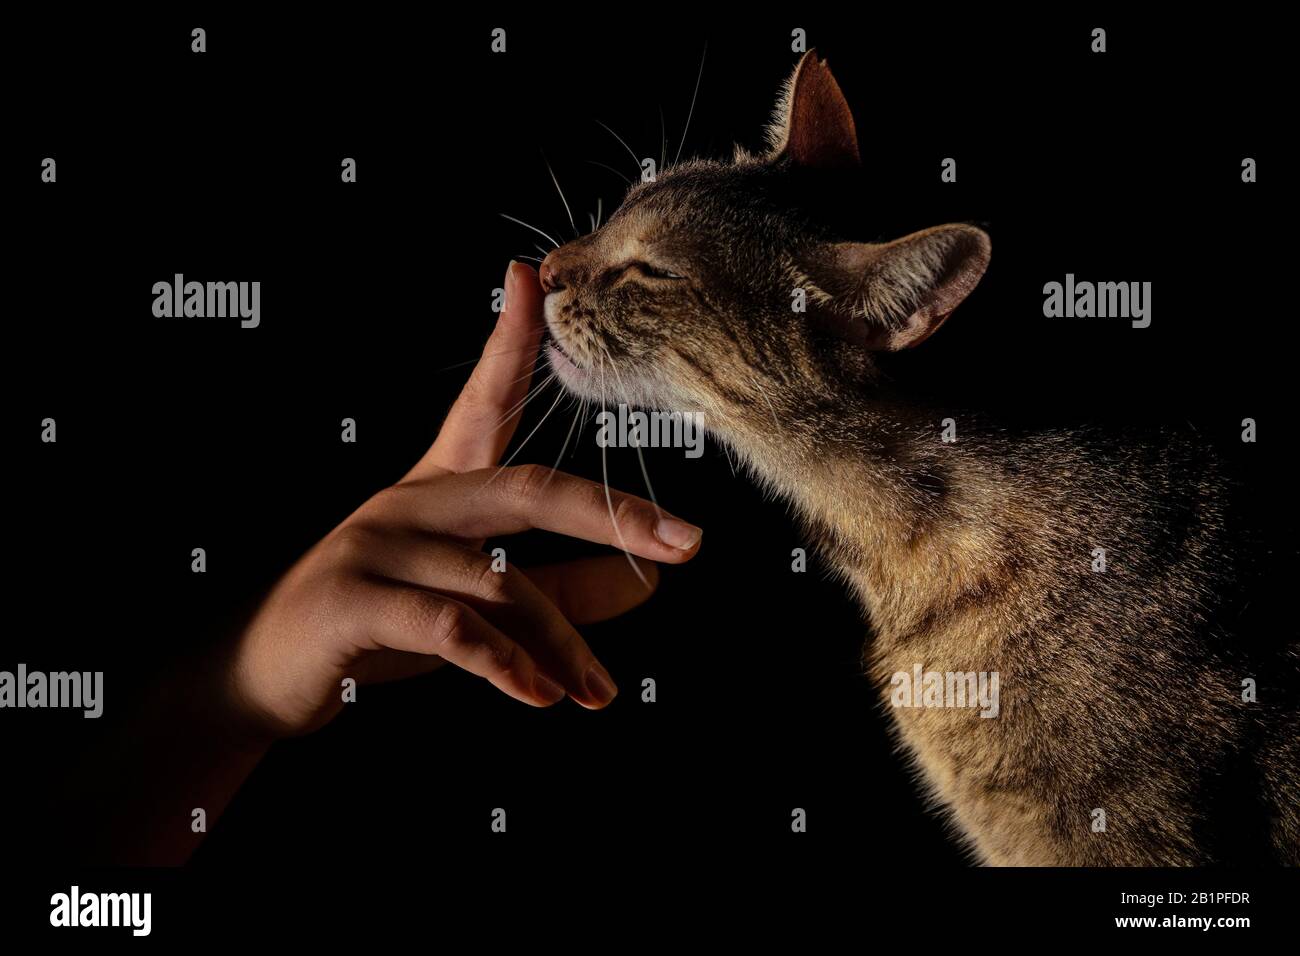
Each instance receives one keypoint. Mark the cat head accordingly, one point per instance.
(725, 285)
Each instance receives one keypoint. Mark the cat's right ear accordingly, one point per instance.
(894, 295)
(813, 125)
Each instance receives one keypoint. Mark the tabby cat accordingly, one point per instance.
(1121, 696)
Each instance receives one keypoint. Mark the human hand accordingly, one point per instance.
(402, 585)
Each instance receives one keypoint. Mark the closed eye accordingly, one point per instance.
(653, 272)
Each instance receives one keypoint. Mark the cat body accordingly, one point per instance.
(1120, 693)
(1090, 575)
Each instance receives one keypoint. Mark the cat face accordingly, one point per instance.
(721, 285)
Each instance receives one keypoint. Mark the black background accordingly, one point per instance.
(175, 434)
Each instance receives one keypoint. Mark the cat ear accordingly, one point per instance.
(895, 295)
(813, 124)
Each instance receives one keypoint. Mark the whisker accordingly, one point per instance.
(609, 501)
(561, 192)
(600, 202)
(532, 371)
(645, 474)
(636, 159)
(591, 217)
(692, 112)
(611, 169)
(770, 408)
(565, 447)
(583, 414)
(540, 423)
(479, 358)
(650, 489)
(731, 464)
(534, 258)
(663, 139)
(533, 228)
(518, 406)
(519, 410)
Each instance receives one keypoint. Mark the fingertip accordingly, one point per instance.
(547, 691)
(509, 285)
(519, 277)
(523, 304)
(598, 688)
(679, 555)
(679, 539)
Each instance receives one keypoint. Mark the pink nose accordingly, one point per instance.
(562, 266)
(547, 273)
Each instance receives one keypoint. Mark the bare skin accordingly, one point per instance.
(400, 588)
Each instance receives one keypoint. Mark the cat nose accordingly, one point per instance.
(557, 269)
(547, 273)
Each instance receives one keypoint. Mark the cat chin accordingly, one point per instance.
(573, 378)
(632, 389)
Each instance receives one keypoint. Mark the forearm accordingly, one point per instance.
(183, 748)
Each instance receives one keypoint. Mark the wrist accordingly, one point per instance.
(222, 712)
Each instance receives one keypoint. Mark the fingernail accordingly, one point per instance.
(678, 534)
(509, 285)
(599, 684)
(547, 689)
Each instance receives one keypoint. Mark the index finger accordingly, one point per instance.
(485, 415)
(494, 502)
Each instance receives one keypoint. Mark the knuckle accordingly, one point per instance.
(627, 511)
(503, 655)
(446, 625)
(387, 499)
(590, 494)
(449, 632)
(397, 505)
(527, 481)
(489, 583)
(353, 542)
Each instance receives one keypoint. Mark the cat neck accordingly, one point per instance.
(910, 521)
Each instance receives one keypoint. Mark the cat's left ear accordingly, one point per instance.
(813, 125)
(894, 295)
